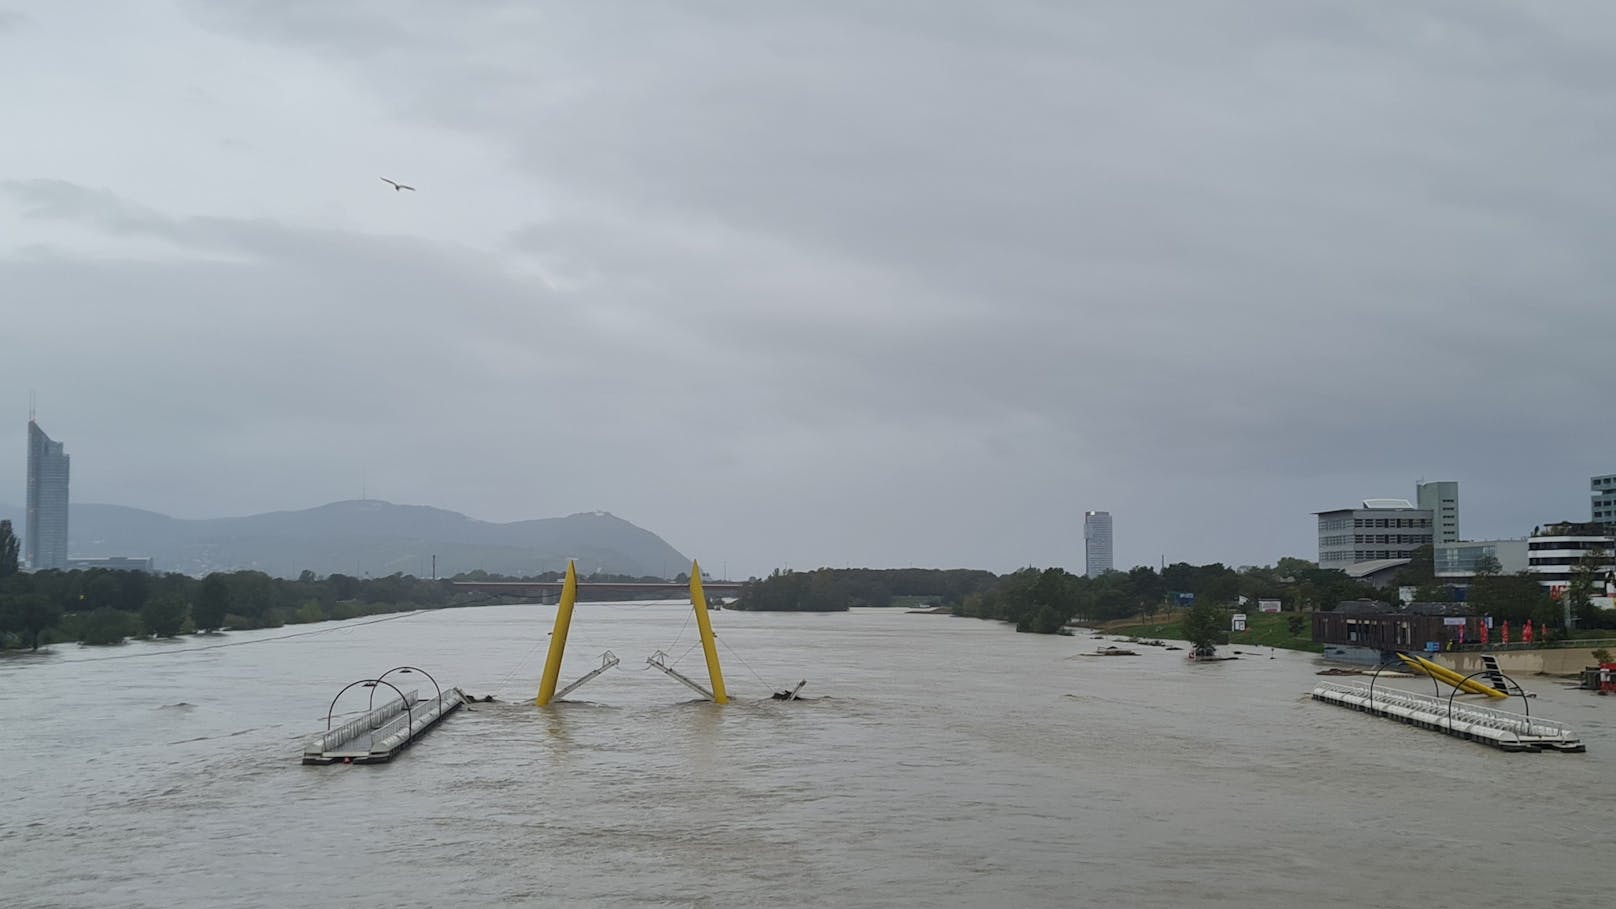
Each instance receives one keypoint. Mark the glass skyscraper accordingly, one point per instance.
(1096, 543)
(45, 536)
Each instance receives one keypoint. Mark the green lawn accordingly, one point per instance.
(1263, 629)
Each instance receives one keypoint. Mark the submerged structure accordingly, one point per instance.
(1501, 729)
(381, 732)
(563, 622)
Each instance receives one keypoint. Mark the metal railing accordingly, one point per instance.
(1450, 714)
(1557, 644)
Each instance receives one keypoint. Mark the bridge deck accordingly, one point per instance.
(521, 587)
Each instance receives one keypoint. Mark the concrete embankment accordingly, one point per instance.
(1558, 661)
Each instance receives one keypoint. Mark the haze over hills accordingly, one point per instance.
(366, 538)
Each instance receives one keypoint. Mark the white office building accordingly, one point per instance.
(1441, 499)
(1376, 531)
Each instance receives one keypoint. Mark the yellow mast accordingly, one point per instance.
(558, 637)
(698, 602)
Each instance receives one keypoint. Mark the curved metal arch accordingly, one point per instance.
(1524, 700)
(369, 683)
(1372, 679)
(413, 669)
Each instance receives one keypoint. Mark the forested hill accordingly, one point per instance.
(367, 538)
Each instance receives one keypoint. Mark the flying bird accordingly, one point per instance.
(397, 186)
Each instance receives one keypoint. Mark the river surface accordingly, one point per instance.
(947, 762)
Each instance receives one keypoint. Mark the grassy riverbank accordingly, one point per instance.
(1263, 629)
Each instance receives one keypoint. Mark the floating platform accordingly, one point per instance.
(1502, 729)
(381, 733)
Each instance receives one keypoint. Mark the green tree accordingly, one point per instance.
(1206, 626)
(1291, 566)
(8, 550)
(100, 589)
(34, 615)
(10, 614)
(1434, 592)
(1420, 570)
(164, 616)
(134, 587)
(1586, 577)
(106, 626)
(1516, 597)
(212, 603)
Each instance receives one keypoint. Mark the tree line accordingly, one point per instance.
(840, 589)
(1045, 600)
(97, 606)
(106, 607)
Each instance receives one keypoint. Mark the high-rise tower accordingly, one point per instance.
(1096, 543)
(1441, 498)
(45, 534)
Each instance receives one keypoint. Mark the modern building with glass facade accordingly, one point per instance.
(1378, 529)
(1096, 543)
(45, 533)
(1460, 560)
(1441, 499)
(1604, 493)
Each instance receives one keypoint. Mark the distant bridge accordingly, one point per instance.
(553, 588)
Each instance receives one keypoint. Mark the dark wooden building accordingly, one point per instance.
(1370, 623)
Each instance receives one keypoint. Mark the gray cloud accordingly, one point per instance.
(840, 283)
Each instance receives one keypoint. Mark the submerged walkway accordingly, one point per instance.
(1501, 729)
(381, 733)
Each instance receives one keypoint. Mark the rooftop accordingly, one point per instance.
(1387, 503)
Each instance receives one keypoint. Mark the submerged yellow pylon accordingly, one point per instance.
(698, 602)
(558, 637)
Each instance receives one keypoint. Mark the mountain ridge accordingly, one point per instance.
(365, 537)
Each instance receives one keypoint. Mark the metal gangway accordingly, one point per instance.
(607, 661)
(382, 731)
(1501, 729)
(659, 660)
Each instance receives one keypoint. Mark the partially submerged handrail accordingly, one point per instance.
(369, 683)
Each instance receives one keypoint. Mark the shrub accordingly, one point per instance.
(106, 626)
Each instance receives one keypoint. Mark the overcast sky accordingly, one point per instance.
(885, 284)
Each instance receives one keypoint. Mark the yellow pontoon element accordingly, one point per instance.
(698, 602)
(558, 637)
(1442, 673)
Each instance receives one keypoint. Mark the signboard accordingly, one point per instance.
(1268, 605)
(1184, 599)
(1237, 622)
(1454, 620)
